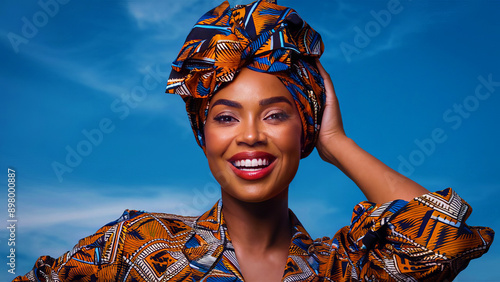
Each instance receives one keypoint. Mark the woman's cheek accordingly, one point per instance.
(290, 136)
(217, 139)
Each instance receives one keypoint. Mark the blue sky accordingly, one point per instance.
(87, 78)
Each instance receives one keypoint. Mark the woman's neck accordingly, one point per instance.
(258, 227)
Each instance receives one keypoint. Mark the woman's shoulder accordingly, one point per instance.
(138, 217)
(166, 224)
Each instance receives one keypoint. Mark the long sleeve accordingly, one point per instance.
(425, 239)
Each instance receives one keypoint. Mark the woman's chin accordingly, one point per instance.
(255, 195)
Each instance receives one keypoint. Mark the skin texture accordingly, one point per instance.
(255, 113)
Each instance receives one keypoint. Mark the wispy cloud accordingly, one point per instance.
(67, 64)
(162, 14)
(91, 206)
(108, 77)
(378, 29)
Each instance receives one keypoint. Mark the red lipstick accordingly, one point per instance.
(252, 165)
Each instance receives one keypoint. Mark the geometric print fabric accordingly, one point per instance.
(425, 239)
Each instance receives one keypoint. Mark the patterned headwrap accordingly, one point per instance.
(261, 36)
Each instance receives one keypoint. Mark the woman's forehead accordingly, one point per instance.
(253, 86)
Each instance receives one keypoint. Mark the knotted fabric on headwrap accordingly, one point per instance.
(262, 36)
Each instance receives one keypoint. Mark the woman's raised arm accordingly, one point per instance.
(376, 180)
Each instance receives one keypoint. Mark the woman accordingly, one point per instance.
(258, 101)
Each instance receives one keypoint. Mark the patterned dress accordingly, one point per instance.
(425, 239)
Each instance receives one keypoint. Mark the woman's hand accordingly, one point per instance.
(377, 181)
(331, 128)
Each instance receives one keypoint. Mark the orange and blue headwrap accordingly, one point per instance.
(261, 36)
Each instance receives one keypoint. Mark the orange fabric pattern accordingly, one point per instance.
(425, 239)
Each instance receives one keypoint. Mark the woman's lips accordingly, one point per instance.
(252, 165)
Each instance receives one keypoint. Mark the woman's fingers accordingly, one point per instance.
(332, 105)
(331, 125)
(332, 119)
(327, 80)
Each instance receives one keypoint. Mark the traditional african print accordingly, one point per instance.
(262, 36)
(425, 239)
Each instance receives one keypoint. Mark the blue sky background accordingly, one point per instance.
(83, 66)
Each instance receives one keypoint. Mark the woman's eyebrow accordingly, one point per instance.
(272, 100)
(228, 103)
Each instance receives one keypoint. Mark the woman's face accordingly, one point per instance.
(253, 137)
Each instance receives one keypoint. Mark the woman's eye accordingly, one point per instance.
(281, 116)
(224, 119)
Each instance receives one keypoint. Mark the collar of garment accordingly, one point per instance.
(211, 254)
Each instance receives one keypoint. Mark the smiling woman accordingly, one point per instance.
(253, 120)
(259, 101)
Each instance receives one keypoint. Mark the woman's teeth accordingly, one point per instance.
(251, 164)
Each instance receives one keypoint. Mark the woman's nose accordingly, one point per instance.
(251, 133)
